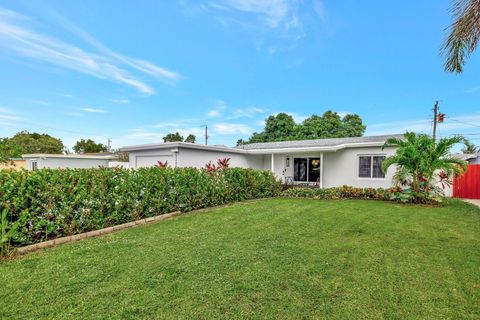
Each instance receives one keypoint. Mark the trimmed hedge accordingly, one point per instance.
(54, 203)
(346, 192)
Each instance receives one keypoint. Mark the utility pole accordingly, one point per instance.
(206, 135)
(435, 119)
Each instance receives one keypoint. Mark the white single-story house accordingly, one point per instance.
(323, 162)
(63, 161)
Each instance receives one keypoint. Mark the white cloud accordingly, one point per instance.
(232, 128)
(472, 90)
(320, 10)
(104, 65)
(120, 101)
(213, 113)
(248, 112)
(92, 110)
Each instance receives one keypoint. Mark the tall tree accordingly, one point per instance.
(464, 34)
(329, 125)
(191, 138)
(8, 150)
(27, 142)
(277, 128)
(89, 146)
(419, 161)
(469, 147)
(173, 137)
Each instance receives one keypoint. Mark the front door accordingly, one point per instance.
(313, 169)
(300, 169)
(306, 169)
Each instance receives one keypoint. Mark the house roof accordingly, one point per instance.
(321, 143)
(175, 145)
(465, 156)
(69, 156)
(275, 147)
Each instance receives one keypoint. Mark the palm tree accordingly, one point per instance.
(464, 34)
(419, 160)
(469, 147)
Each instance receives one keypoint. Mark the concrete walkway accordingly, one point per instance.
(473, 201)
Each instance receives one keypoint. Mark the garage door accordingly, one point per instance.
(150, 161)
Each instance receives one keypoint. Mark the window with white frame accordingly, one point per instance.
(34, 165)
(370, 166)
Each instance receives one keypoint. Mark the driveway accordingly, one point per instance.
(473, 201)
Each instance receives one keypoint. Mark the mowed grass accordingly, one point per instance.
(270, 259)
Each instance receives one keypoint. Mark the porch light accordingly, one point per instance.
(287, 162)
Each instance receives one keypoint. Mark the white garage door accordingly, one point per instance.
(150, 161)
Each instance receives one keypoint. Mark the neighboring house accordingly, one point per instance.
(322, 162)
(63, 161)
(471, 158)
(13, 163)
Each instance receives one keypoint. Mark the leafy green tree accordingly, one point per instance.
(27, 142)
(191, 138)
(469, 147)
(329, 125)
(89, 146)
(8, 150)
(173, 137)
(464, 34)
(421, 162)
(277, 128)
(241, 142)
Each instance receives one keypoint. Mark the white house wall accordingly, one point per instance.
(64, 163)
(341, 168)
(150, 158)
(199, 158)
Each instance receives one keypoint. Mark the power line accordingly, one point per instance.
(463, 122)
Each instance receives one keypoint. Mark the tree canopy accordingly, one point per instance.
(191, 138)
(89, 146)
(282, 127)
(173, 137)
(177, 137)
(25, 142)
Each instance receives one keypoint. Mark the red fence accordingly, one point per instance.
(468, 185)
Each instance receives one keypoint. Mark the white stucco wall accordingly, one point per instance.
(150, 158)
(341, 168)
(197, 158)
(63, 163)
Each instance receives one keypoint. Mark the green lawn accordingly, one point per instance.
(271, 259)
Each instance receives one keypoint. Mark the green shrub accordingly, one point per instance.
(47, 204)
(348, 192)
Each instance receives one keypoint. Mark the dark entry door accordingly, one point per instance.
(313, 169)
(300, 169)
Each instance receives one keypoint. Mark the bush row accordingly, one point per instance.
(346, 192)
(47, 204)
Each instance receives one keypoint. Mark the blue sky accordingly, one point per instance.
(135, 70)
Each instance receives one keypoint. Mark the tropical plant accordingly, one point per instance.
(421, 163)
(7, 229)
(464, 34)
(469, 147)
(161, 164)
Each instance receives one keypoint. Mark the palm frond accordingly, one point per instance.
(464, 34)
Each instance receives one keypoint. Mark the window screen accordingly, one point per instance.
(377, 167)
(365, 167)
